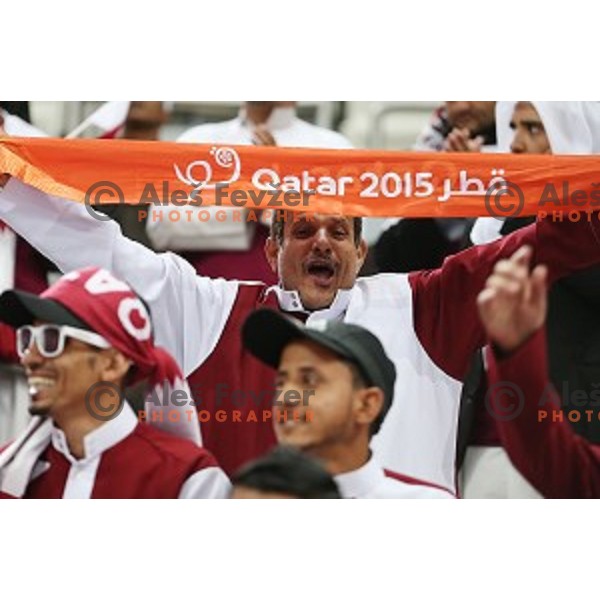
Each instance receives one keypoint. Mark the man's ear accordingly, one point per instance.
(369, 405)
(115, 366)
(272, 252)
(362, 251)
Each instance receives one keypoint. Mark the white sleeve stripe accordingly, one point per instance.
(208, 483)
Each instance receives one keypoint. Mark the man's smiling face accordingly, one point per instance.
(59, 385)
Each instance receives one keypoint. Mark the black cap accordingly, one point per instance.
(266, 333)
(22, 308)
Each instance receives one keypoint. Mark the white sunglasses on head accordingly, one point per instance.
(50, 339)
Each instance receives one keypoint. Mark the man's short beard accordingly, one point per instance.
(38, 411)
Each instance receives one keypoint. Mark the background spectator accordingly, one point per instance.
(412, 244)
(284, 473)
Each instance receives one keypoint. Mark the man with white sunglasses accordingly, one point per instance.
(80, 343)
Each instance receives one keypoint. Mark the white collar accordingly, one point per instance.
(279, 119)
(104, 437)
(360, 482)
(289, 301)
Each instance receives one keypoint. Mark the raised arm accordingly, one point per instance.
(189, 312)
(538, 439)
(445, 299)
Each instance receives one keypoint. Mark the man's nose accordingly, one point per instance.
(321, 241)
(517, 146)
(32, 357)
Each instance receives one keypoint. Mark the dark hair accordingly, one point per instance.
(287, 471)
(280, 217)
(359, 382)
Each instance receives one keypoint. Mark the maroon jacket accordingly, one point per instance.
(540, 442)
(148, 463)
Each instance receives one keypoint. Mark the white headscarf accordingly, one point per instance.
(571, 127)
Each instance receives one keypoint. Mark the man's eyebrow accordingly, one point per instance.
(306, 368)
(528, 122)
(303, 369)
(303, 219)
(532, 121)
(340, 221)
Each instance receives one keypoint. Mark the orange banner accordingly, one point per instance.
(352, 182)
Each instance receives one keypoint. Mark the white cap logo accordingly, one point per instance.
(127, 309)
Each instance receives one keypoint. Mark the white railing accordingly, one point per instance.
(386, 125)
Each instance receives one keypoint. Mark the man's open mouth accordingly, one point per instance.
(37, 384)
(322, 271)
